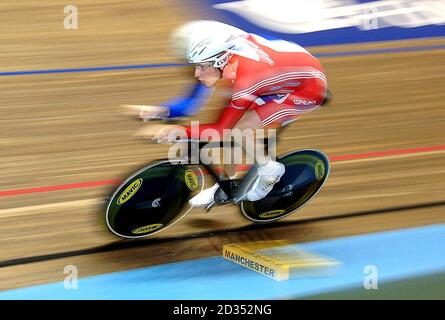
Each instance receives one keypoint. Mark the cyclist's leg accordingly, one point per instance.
(277, 112)
(249, 121)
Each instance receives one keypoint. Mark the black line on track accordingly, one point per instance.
(125, 244)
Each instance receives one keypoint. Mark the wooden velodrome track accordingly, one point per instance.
(66, 128)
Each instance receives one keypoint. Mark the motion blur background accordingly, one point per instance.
(64, 145)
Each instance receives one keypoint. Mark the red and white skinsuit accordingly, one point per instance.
(284, 84)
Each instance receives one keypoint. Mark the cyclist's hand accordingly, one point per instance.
(162, 133)
(146, 113)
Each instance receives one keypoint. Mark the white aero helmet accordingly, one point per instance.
(206, 42)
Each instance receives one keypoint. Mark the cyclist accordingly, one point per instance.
(197, 94)
(273, 83)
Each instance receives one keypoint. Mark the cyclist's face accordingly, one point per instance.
(207, 75)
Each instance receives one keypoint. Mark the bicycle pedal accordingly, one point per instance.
(242, 198)
(220, 197)
(210, 206)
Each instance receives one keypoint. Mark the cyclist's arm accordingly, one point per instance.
(189, 104)
(227, 120)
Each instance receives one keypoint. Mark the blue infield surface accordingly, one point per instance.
(397, 255)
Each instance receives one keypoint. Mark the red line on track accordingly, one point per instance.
(69, 186)
(380, 154)
(91, 184)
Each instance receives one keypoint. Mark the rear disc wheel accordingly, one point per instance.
(306, 173)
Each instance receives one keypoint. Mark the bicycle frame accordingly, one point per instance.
(246, 181)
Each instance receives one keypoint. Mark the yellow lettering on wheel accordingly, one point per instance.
(147, 229)
(129, 191)
(191, 180)
(271, 214)
(319, 170)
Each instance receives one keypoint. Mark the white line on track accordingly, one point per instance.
(21, 211)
